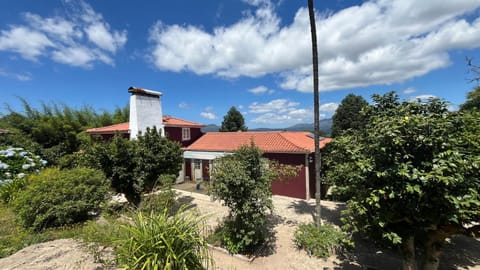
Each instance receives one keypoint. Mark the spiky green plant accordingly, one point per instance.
(161, 241)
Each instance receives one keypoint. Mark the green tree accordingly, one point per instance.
(349, 115)
(412, 176)
(156, 156)
(55, 127)
(233, 121)
(134, 166)
(473, 100)
(242, 181)
(117, 161)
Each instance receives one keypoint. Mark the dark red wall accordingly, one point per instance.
(188, 168)
(294, 187)
(175, 134)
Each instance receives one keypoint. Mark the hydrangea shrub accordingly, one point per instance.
(16, 162)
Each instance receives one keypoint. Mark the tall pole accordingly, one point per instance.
(316, 109)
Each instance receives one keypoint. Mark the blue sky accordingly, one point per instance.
(206, 56)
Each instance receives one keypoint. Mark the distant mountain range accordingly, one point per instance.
(325, 127)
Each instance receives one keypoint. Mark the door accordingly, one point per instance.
(197, 169)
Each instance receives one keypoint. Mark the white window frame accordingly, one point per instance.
(186, 134)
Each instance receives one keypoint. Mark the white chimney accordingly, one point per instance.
(145, 111)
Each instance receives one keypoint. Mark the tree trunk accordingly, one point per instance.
(433, 250)
(408, 254)
(316, 106)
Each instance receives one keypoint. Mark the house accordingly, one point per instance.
(292, 148)
(176, 129)
(146, 111)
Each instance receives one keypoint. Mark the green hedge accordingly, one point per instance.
(59, 197)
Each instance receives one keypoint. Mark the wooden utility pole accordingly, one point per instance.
(316, 109)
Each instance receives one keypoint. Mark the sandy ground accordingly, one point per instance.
(460, 253)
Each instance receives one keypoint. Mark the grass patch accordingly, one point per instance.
(321, 242)
(14, 237)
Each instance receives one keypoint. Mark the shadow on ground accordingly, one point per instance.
(462, 252)
(270, 245)
(330, 213)
(184, 201)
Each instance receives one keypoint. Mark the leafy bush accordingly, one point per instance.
(161, 200)
(242, 181)
(156, 156)
(56, 198)
(9, 190)
(160, 241)
(134, 166)
(321, 242)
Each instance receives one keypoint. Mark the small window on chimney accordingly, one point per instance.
(185, 134)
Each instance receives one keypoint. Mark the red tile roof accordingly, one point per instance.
(122, 128)
(269, 142)
(168, 121)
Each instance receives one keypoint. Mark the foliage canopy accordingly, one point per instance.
(134, 166)
(54, 130)
(243, 182)
(473, 101)
(348, 115)
(233, 121)
(412, 176)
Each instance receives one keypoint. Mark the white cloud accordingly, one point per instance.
(99, 34)
(80, 37)
(27, 42)
(377, 42)
(257, 2)
(424, 97)
(208, 113)
(18, 76)
(409, 90)
(286, 112)
(261, 90)
(329, 107)
(183, 105)
(277, 105)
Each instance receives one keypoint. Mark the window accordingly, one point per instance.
(185, 134)
(197, 164)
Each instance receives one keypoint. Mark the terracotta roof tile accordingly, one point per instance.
(122, 128)
(168, 121)
(272, 141)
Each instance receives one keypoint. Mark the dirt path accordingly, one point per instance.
(460, 253)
